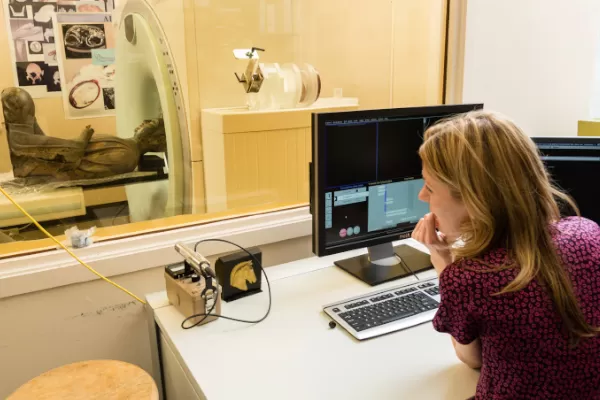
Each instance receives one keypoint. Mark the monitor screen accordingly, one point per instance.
(367, 175)
(574, 166)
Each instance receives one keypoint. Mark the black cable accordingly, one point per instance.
(119, 211)
(199, 315)
(406, 266)
(210, 314)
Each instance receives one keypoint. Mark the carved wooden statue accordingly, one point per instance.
(90, 156)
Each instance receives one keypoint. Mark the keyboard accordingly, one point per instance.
(386, 311)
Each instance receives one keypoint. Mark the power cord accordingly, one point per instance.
(119, 211)
(406, 266)
(49, 235)
(210, 314)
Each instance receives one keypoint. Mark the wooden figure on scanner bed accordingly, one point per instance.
(91, 156)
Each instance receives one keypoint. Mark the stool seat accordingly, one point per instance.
(90, 380)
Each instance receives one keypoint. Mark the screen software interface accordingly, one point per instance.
(373, 177)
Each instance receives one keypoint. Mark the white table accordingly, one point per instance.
(294, 354)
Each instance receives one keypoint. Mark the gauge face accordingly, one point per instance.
(84, 94)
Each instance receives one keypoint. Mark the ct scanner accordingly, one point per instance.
(152, 60)
(147, 86)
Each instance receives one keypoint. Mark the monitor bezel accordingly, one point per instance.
(317, 190)
(566, 139)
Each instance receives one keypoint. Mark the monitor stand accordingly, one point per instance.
(385, 263)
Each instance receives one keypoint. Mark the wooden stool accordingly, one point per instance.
(90, 380)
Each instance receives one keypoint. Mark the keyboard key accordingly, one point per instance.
(353, 305)
(397, 317)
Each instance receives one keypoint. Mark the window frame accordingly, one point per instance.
(43, 268)
(55, 268)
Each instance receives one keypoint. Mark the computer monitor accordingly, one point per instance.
(365, 181)
(574, 166)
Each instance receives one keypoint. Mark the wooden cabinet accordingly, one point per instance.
(259, 158)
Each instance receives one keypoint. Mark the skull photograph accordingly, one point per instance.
(31, 73)
(34, 73)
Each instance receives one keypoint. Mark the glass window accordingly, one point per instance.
(147, 115)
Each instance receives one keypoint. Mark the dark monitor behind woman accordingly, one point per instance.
(520, 285)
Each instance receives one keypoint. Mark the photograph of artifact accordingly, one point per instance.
(84, 6)
(66, 8)
(42, 14)
(30, 29)
(89, 88)
(109, 98)
(80, 40)
(21, 50)
(16, 10)
(95, 6)
(31, 73)
(24, 29)
(49, 50)
(84, 94)
(52, 78)
(87, 59)
(35, 47)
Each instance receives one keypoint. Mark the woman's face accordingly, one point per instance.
(449, 211)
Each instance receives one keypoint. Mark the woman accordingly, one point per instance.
(520, 287)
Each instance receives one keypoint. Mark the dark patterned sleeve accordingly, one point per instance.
(456, 314)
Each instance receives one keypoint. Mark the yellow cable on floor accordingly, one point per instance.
(41, 228)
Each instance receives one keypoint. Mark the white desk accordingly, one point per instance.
(294, 354)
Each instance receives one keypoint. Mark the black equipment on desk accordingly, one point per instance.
(203, 261)
(153, 163)
(239, 274)
(572, 162)
(192, 287)
(365, 181)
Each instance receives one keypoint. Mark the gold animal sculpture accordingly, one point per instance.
(241, 274)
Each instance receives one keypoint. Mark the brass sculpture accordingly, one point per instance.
(91, 156)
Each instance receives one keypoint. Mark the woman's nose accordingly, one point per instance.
(423, 195)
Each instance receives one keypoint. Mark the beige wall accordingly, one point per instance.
(92, 320)
(386, 53)
(554, 84)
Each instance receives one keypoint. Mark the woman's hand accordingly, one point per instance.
(435, 241)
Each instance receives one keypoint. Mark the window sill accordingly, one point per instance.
(55, 268)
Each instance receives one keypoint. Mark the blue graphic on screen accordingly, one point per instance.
(395, 203)
(372, 175)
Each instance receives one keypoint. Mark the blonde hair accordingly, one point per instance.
(496, 171)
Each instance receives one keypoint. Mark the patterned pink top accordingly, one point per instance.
(525, 350)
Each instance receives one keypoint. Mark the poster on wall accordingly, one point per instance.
(32, 43)
(85, 47)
